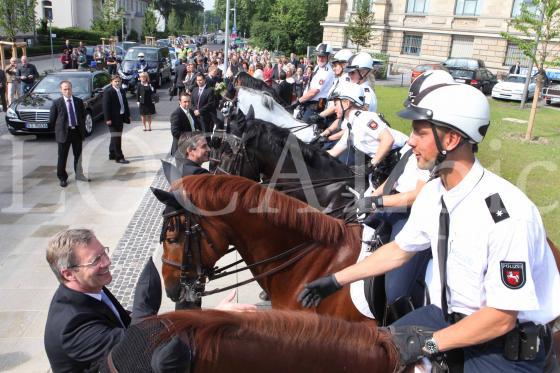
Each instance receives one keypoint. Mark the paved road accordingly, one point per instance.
(117, 205)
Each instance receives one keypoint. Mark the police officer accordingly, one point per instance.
(141, 65)
(332, 133)
(358, 69)
(491, 257)
(319, 84)
(364, 131)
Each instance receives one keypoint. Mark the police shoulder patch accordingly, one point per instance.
(366, 89)
(496, 208)
(513, 274)
(357, 113)
(372, 124)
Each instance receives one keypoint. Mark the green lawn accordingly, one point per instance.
(533, 167)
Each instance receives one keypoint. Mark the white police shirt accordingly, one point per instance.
(498, 255)
(336, 82)
(322, 80)
(411, 173)
(370, 99)
(365, 132)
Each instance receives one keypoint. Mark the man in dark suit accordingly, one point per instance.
(203, 103)
(193, 152)
(116, 113)
(515, 69)
(182, 120)
(179, 80)
(190, 77)
(85, 321)
(67, 116)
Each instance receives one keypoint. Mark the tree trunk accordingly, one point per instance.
(533, 112)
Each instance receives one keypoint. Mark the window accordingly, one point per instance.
(514, 54)
(356, 4)
(411, 44)
(462, 46)
(47, 10)
(516, 10)
(417, 6)
(468, 7)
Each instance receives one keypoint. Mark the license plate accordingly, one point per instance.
(460, 80)
(36, 125)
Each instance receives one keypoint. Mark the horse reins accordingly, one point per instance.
(193, 232)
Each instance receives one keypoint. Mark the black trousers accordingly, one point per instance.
(3, 99)
(75, 139)
(115, 150)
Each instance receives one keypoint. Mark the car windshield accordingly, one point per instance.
(149, 54)
(464, 74)
(51, 84)
(516, 79)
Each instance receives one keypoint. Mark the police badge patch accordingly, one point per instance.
(372, 125)
(513, 274)
(321, 82)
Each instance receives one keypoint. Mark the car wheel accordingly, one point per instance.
(548, 101)
(89, 123)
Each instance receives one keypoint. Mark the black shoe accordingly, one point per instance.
(82, 178)
(111, 157)
(123, 161)
(63, 183)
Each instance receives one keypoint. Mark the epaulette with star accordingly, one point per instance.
(496, 208)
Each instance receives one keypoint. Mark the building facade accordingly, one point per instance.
(81, 13)
(412, 32)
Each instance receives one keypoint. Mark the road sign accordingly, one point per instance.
(53, 36)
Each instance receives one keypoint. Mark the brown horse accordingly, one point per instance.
(263, 342)
(300, 243)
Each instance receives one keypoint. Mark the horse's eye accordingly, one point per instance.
(172, 240)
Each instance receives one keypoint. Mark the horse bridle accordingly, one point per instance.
(194, 234)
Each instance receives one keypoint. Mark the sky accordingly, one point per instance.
(208, 4)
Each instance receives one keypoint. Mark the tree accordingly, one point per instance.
(16, 16)
(174, 24)
(359, 30)
(149, 24)
(537, 25)
(109, 18)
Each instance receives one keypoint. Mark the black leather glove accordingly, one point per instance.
(369, 204)
(315, 118)
(410, 340)
(315, 291)
(293, 106)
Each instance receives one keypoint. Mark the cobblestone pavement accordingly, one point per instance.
(138, 243)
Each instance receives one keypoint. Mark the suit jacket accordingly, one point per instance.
(189, 167)
(112, 107)
(205, 103)
(81, 330)
(180, 72)
(2, 80)
(190, 85)
(276, 72)
(180, 124)
(59, 119)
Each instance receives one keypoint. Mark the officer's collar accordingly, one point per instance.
(455, 195)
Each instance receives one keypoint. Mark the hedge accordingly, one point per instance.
(76, 34)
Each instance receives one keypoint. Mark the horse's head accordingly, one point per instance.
(191, 247)
(233, 157)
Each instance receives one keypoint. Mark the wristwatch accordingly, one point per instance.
(431, 347)
(378, 201)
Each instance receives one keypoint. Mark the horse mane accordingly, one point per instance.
(215, 192)
(267, 99)
(287, 330)
(273, 138)
(243, 79)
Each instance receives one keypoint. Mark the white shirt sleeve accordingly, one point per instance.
(415, 234)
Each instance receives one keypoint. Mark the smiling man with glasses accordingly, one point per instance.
(85, 320)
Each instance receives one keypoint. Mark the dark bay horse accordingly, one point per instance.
(259, 342)
(260, 150)
(285, 242)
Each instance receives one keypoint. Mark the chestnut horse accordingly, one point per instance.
(285, 242)
(269, 342)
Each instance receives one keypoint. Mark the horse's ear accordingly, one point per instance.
(251, 113)
(164, 197)
(171, 172)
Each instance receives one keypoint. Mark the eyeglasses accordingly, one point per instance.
(95, 260)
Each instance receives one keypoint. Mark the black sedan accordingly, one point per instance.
(30, 114)
(480, 78)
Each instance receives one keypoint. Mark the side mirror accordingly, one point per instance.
(98, 90)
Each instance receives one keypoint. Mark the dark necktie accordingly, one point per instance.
(443, 237)
(105, 299)
(71, 111)
(396, 173)
(200, 90)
